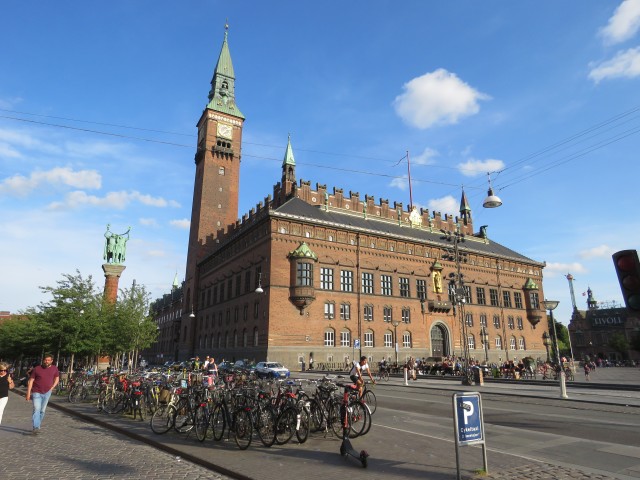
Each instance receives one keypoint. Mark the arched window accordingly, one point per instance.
(345, 338)
(368, 339)
(521, 344)
(471, 341)
(512, 343)
(498, 340)
(329, 338)
(235, 338)
(388, 339)
(406, 339)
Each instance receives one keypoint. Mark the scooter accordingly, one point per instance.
(346, 448)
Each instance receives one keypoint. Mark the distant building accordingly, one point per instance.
(591, 331)
(314, 272)
(167, 313)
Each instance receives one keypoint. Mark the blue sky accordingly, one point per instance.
(99, 104)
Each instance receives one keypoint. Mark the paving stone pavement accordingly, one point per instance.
(71, 448)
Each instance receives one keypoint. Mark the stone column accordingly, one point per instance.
(112, 274)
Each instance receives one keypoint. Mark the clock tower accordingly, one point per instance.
(217, 182)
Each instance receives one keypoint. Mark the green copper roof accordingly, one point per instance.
(464, 203)
(530, 285)
(303, 251)
(288, 154)
(437, 266)
(222, 97)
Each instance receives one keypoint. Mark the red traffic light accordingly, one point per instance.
(628, 271)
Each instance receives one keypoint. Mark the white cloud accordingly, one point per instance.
(624, 64)
(400, 182)
(30, 140)
(448, 205)
(116, 200)
(148, 222)
(21, 185)
(437, 98)
(596, 252)
(426, 157)
(184, 223)
(623, 24)
(7, 151)
(156, 253)
(555, 269)
(473, 167)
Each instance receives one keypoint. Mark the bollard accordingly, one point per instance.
(405, 377)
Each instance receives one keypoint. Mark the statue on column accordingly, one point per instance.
(115, 246)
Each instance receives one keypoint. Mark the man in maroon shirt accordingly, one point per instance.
(43, 380)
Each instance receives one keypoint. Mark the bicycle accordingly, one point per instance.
(383, 374)
(239, 422)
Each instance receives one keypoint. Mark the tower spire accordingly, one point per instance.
(465, 209)
(288, 164)
(222, 96)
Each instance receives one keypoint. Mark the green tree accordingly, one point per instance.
(563, 337)
(619, 343)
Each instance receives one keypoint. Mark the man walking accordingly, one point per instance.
(42, 381)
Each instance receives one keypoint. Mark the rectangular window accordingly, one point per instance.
(245, 312)
(452, 293)
(499, 342)
(329, 310)
(519, 323)
(471, 340)
(258, 278)
(304, 276)
(256, 309)
(345, 311)
(469, 319)
(388, 340)
(329, 339)
(368, 339)
(493, 297)
(229, 288)
(480, 296)
(215, 294)
(510, 322)
(421, 289)
(385, 285)
(236, 314)
(367, 283)
(326, 278)
(506, 299)
(208, 297)
(467, 294)
(368, 313)
(406, 315)
(521, 343)
(345, 339)
(238, 285)
(404, 287)
(483, 320)
(386, 314)
(535, 301)
(247, 281)
(517, 297)
(406, 340)
(496, 321)
(346, 280)
(512, 343)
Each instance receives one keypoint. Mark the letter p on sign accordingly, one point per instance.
(469, 410)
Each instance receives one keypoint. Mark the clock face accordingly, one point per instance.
(225, 131)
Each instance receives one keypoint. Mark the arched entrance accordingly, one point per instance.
(439, 344)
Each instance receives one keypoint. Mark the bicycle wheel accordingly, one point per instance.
(75, 395)
(335, 419)
(202, 422)
(359, 416)
(218, 421)
(315, 413)
(286, 425)
(161, 419)
(242, 428)
(182, 420)
(303, 424)
(385, 375)
(370, 399)
(115, 402)
(265, 424)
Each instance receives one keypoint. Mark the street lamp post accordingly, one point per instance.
(395, 339)
(485, 339)
(546, 341)
(551, 305)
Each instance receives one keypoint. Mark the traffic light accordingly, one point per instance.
(628, 270)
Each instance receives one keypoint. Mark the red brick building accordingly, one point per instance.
(337, 270)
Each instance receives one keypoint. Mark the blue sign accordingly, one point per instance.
(468, 415)
(356, 343)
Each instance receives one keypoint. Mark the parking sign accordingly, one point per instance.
(468, 423)
(356, 343)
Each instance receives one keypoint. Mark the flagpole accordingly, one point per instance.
(410, 192)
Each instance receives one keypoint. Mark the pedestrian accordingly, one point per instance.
(205, 365)
(213, 368)
(587, 370)
(6, 384)
(42, 381)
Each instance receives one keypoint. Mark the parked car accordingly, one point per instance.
(224, 368)
(244, 365)
(272, 370)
